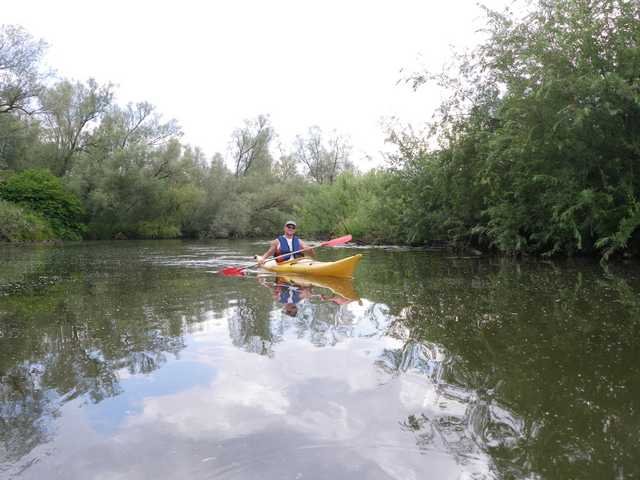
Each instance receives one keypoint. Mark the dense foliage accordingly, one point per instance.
(18, 224)
(537, 150)
(540, 137)
(369, 206)
(41, 192)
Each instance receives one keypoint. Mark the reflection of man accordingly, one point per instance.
(290, 309)
(288, 294)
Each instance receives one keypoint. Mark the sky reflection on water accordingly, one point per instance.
(306, 410)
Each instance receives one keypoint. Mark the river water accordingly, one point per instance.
(137, 360)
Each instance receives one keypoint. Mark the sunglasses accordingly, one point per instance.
(293, 227)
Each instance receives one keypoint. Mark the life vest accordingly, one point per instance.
(283, 248)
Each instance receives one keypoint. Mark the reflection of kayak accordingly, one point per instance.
(341, 268)
(342, 287)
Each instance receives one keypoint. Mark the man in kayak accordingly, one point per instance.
(287, 243)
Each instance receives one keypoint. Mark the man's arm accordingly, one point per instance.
(311, 252)
(270, 252)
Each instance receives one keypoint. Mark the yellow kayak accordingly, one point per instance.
(307, 266)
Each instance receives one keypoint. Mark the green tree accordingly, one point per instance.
(18, 224)
(286, 167)
(42, 192)
(322, 161)
(540, 137)
(250, 147)
(369, 206)
(71, 109)
(20, 75)
(21, 80)
(135, 124)
(21, 146)
(133, 177)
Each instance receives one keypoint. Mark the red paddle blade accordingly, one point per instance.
(337, 241)
(232, 271)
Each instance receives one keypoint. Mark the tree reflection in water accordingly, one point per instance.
(543, 358)
(66, 335)
(531, 365)
(466, 423)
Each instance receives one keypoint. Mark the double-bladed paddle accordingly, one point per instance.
(231, 271)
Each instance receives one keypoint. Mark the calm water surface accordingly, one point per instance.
(135, 360)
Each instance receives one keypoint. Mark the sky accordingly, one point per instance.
(213, 64)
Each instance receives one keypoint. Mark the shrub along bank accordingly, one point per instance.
(35, 206)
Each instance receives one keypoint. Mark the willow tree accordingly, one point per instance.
(21, 81)
(250, 146)
(323, 159)
(20, 70)
(135, 177)
(71, 109)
